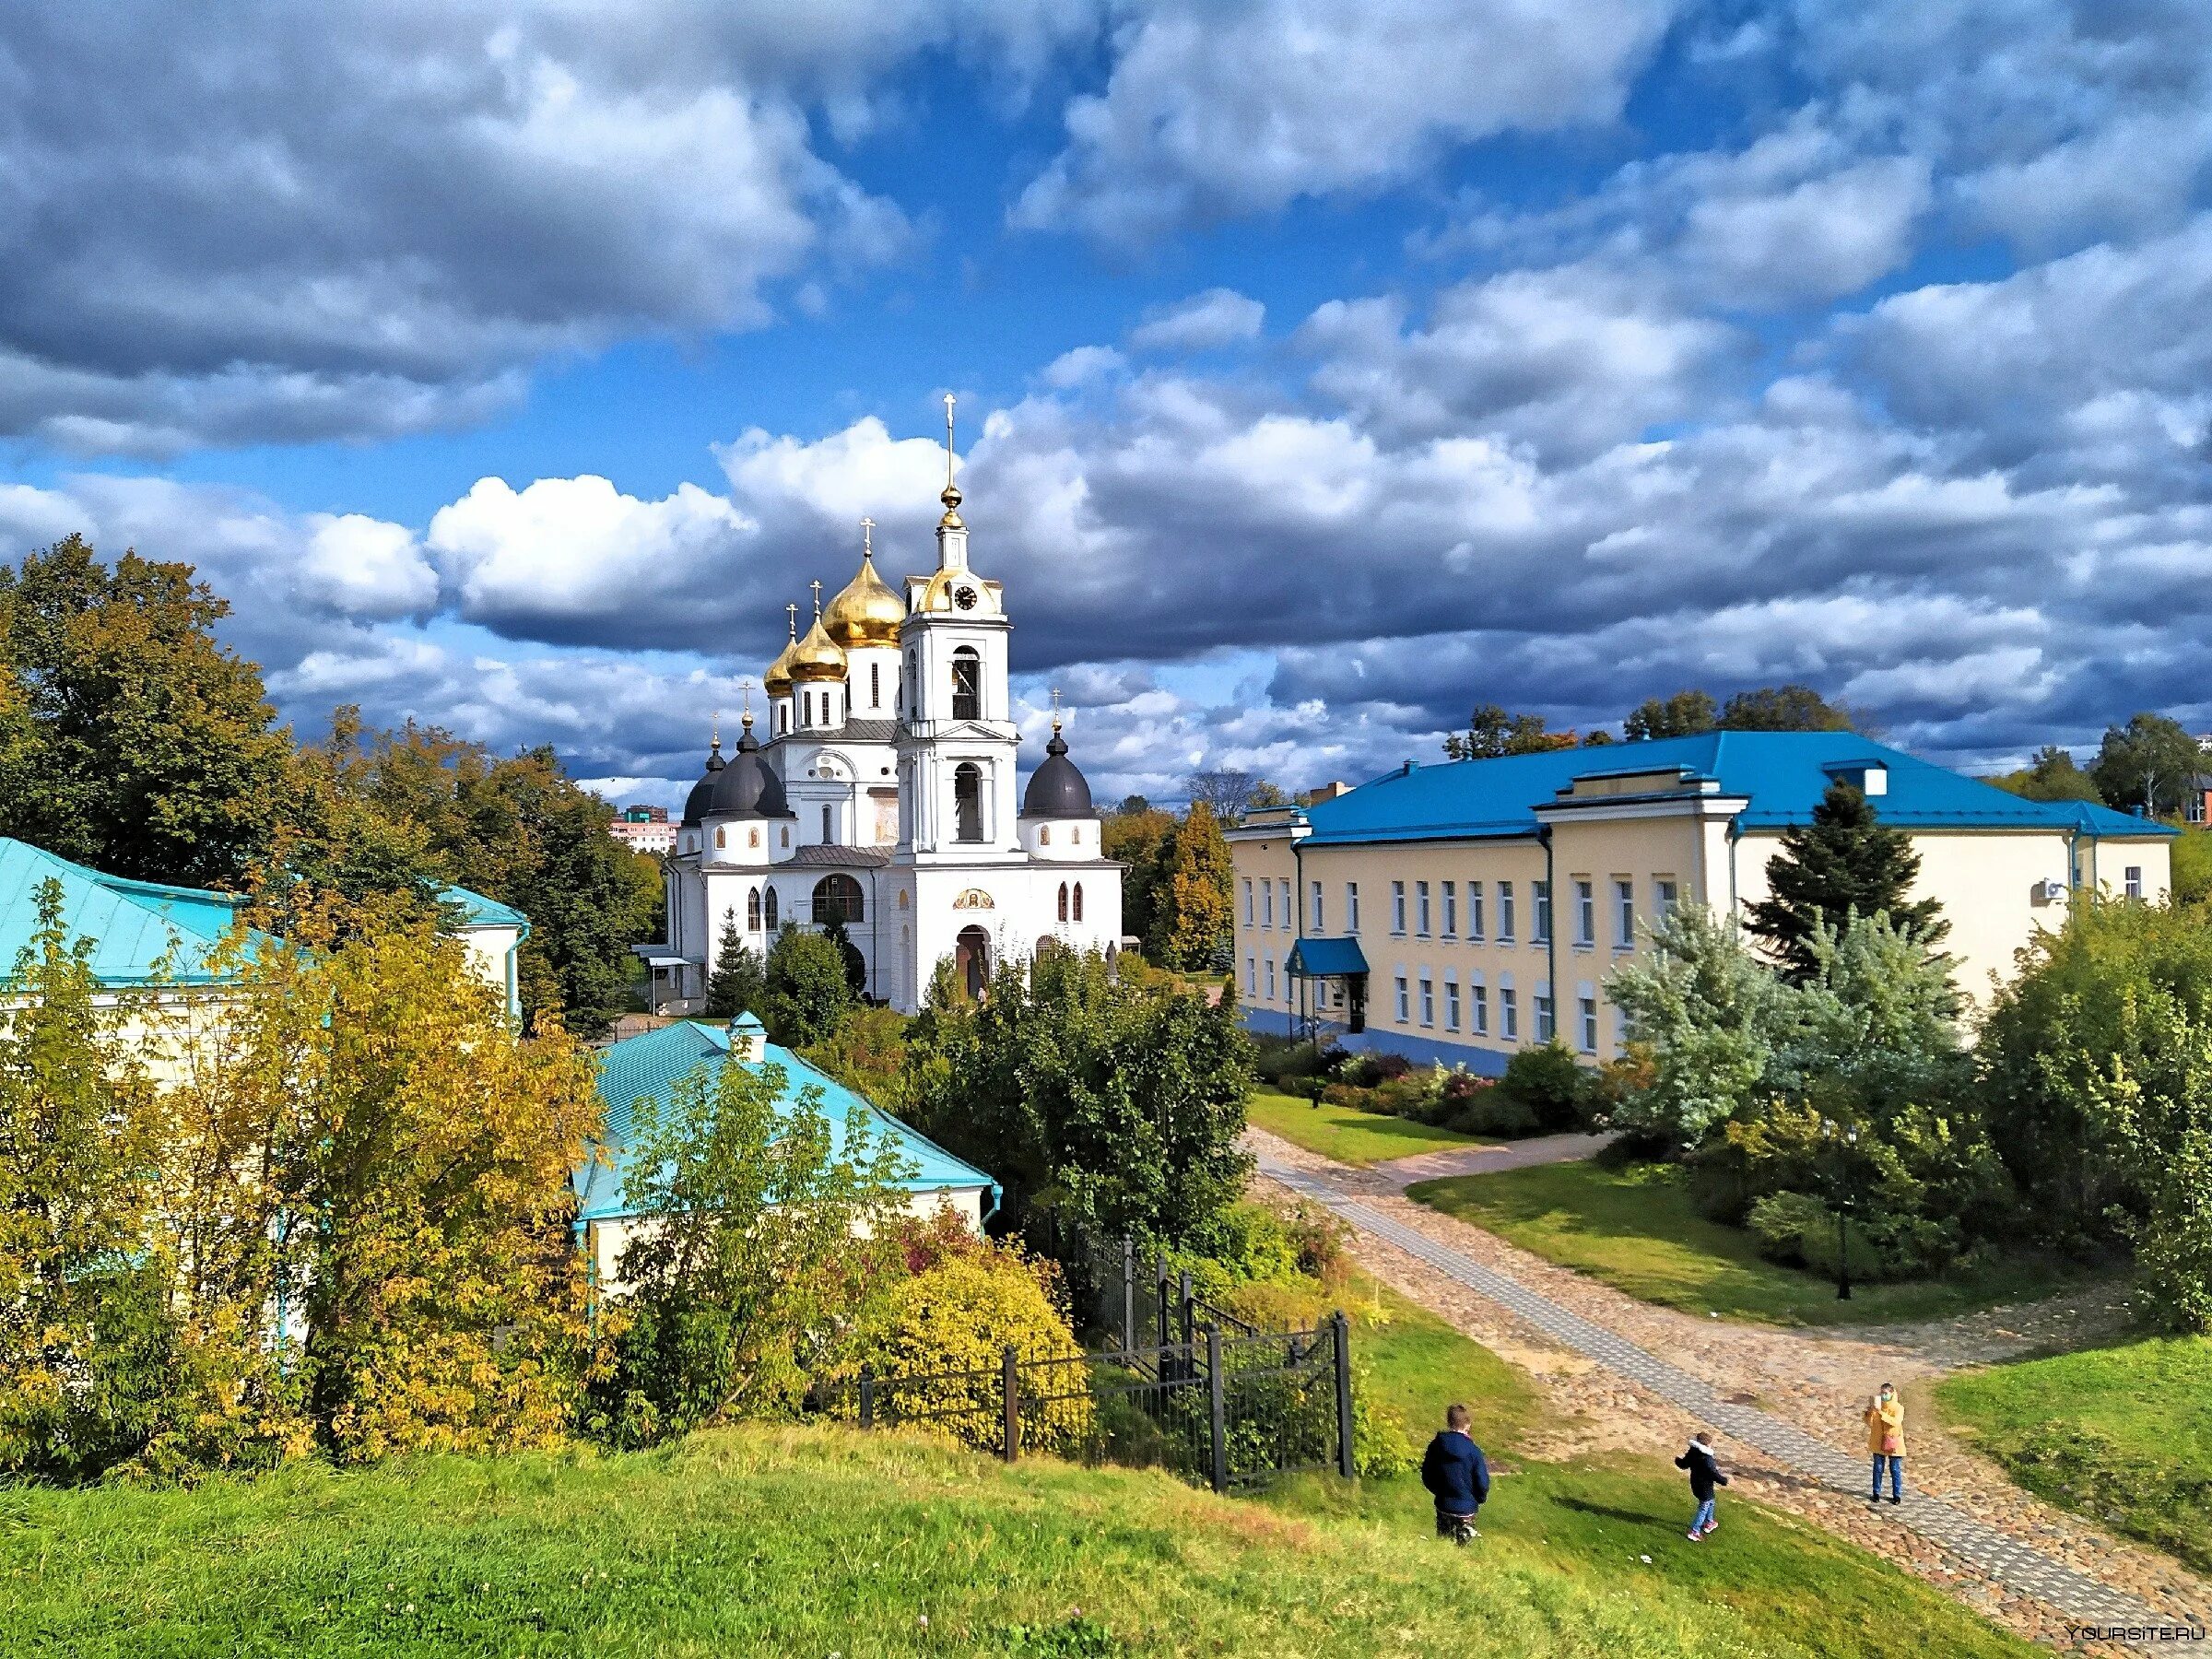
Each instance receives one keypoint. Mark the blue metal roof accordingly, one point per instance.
(650, 1067)
(1326, 959)
(142, 931)
(1782, 774)
(481, 911)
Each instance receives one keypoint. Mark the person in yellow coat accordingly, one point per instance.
(1886, 1442)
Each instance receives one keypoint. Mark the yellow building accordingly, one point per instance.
(1457, 912)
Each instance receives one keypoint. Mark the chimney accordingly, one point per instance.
(749, 1039)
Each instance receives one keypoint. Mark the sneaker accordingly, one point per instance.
(1894, 1499)
(1693, 1535)
(1711, 1528)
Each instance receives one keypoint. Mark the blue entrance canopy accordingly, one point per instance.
(1326, 959)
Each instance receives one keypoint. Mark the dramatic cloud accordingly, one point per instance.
(1203, 322)
(1214, 111)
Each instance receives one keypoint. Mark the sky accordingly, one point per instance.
(1323, 369)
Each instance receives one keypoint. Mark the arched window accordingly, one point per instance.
(876, 685)
(968, 802)
(768, 909)
(967, 684)
(752, 910)
(912, 704)
(722, 836)
(837, 898)
(1079, 902)
(752, 836)
(1045, 835)
(1063, 902)
(1074, 835)
(829, 826)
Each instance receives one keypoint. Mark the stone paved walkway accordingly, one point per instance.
(1396, 1174)
(2018, 1568)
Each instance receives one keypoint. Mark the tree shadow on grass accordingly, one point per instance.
(1607, 1512)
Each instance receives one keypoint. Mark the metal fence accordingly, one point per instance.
(1230, 1407)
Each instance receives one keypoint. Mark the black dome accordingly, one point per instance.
(1056, 789)
(747, 787)
(695, 803)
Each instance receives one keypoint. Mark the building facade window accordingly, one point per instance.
(1505, 912)
(1079, 902)
(1586, 913)
(1249, 912)
(1352, 907)
(1508, 1014)
(1403, 1014)
(1624, 913)
(1313, 921)
(1475, 916)
(752, 910)
(829, 826)
(1427, 1000)
(1397, 907)
(1063, 902)
(1540, 898)
(2133, 883)
(1289, 917)
(1451, 897)
(968, 802)
(1420, 909)
(1478, 997)
(1266, 902)
(1588, 1011)
(837, 898)
(767, 911)
(1669, 895)
(967, 684)
(1547, 1027)
(1251, 976)
(1450, 1004)
(1271, 977)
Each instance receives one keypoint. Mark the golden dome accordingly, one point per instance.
(776, 682)
(867, 613)
(817, 656)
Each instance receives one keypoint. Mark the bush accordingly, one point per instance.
(1551, 1082)
(1279, 1061)
(1249, 1241)
(1784, 1222)
(1492, 1111)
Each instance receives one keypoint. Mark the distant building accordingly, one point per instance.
(645, 830)
(651, 1065)
(1459, 911)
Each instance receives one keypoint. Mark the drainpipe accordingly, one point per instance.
(1551, 933)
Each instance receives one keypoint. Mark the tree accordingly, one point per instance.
(1685, 714)
(1143, 840)
(1194, 920)
(2051, 776)
(768, 1225)
(2147, 765)
(129, 739)
(2192, 866)
(1102, 1106)
(1227, 793)
(1491, 731)
(1785, 709)
(1844, 863)
(849, 956)
(739, 982)
(807, 991)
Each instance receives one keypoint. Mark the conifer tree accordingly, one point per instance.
(1194, 922)
(1844, 863)
(739, 982)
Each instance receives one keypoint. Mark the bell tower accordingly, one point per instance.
(957, 735)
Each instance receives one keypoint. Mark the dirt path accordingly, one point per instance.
(1816, 1384)
(1396, 1174)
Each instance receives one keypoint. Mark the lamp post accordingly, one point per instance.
(1841, 1141)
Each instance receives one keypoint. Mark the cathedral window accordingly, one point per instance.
(1079, 902)
(837, 898)
(829, 826)
(968, 802)
(752, 910)
(876, 685)
(1063, 902)
(768, 909)
(967, 684)
(1045, 835)
(721, 837)
(752, 836)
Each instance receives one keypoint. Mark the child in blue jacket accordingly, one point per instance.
(1457, 1478)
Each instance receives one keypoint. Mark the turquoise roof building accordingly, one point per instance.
(650, 1066)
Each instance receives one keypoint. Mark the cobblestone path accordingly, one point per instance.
(2016, 1568)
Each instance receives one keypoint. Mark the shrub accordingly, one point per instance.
(1279, 1060)
(1250, 1242)
(960, 1315)
(1551, 1082)
(1783, 1222)
(1493, 1112)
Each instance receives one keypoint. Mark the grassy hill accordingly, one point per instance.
(827, 1542)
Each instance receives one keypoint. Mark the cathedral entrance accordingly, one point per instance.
(971, 952)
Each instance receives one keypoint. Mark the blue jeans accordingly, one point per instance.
(1897, 1478)
(1704, 1517)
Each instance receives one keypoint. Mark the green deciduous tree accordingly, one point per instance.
(1492, 732)
(1101, 1106)
(1844, 863)
(739, 982)
(1685, 714)
(2051, 776)
(1142, 838)
(1785, 709)
(807, 993)
(767, 1226)
(2146, 766)
(130, 740)
(1193, 917)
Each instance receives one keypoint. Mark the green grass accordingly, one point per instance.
(1634, 1226)
(1344, 1133)
(2122, 1434)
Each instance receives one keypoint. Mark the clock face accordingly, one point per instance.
(964, 597)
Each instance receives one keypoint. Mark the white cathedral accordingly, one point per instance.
(884, 798)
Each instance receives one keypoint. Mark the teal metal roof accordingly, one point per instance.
(1326, 959)
(481, 911)
(650, 1067)
(1782, 775)
(142, 931)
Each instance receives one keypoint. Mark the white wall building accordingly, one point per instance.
(886, 797)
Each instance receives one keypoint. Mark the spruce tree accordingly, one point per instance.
(1844, 863)
(739, 982)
